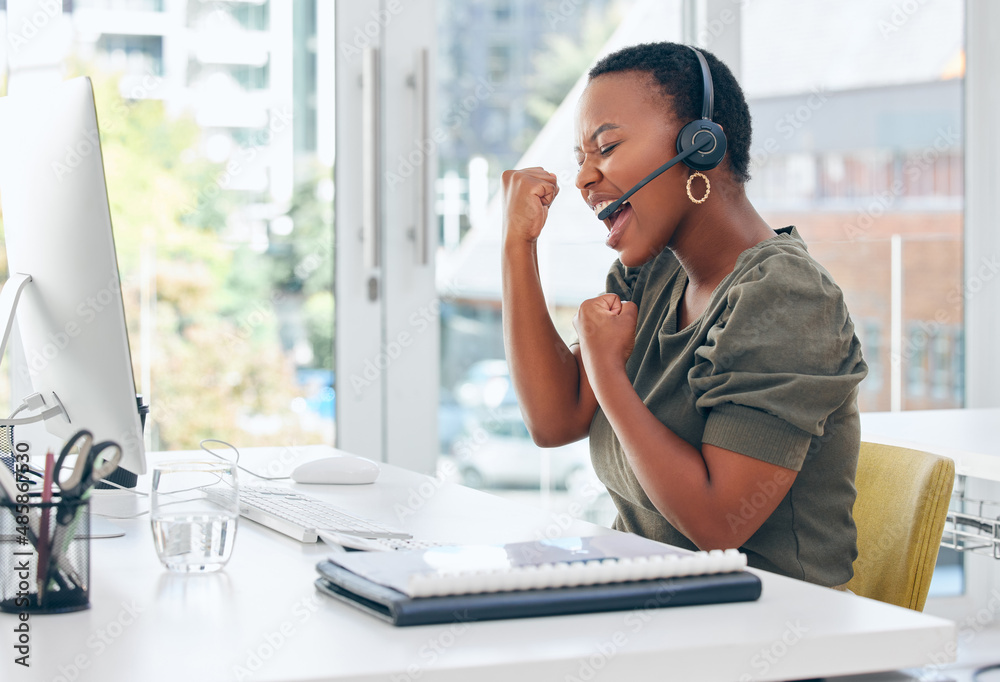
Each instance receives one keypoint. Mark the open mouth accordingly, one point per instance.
(600, 206)
(618, 220)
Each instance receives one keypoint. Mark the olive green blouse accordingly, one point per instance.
(770, 370)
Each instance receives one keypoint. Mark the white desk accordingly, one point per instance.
(261, 619)
(970, 437)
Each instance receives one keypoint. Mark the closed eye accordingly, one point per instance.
(604, 151)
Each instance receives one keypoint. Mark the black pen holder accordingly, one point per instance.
(51, 537)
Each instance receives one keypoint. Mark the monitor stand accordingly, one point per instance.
(101, 528)
(9, 297)
(115, 504)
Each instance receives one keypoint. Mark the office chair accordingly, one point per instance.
(902, 502)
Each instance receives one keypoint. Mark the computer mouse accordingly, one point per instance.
(339, 469)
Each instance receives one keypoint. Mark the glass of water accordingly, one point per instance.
(194, 511)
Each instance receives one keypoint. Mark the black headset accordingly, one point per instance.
(701, 144)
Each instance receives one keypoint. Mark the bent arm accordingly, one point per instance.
(556, 399)
(703, 493)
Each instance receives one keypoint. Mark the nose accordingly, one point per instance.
(587, 175)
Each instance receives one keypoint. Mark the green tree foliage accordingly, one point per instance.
(303, 258)
(318, 311)
(303, 263)
(217, 366)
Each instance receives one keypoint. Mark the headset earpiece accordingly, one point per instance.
(697, 132)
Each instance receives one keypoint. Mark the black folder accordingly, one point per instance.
(377, 582)
(399, 609)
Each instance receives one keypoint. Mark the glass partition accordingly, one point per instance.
(866, 161)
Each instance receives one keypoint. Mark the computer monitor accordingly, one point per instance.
(57, 226)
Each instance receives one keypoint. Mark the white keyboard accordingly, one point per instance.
(306, 518)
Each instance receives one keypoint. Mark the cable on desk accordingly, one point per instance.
(133, 491)
(142, 494)
(977, 675)
(206, 449)
(236, 450)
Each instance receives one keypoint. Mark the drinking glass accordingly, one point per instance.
(194, 512)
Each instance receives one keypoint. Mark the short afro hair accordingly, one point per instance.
(675, 67)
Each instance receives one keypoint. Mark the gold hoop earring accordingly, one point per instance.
(708, 187)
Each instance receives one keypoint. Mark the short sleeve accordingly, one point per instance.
(780, 359)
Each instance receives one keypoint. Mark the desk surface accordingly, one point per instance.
(261, 619)
(970, 437)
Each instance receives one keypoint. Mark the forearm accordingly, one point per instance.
(675, 475)
(545, 372)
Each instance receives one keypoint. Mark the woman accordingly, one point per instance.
(717, 377)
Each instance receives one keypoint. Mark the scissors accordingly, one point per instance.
(92, 464)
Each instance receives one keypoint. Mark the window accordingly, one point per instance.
(502, 11)
(498, 91)
(115, 5)
(871, 335)
(218, 216)
(885, 213)
(253, 16)
(855, 159)
(499, 63)
(868, 164)
(133, 55)
(250, 77)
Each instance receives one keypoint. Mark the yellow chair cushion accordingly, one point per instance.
(900, 510)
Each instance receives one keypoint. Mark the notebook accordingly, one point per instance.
(617, 571)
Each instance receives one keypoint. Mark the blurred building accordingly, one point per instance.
(247, 72)
(497, 42)
(893, 175)
(488, 60)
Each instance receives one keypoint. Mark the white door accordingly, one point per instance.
(387, 307)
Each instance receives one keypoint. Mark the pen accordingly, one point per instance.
(8, 486)
(43, 529)
(8, 495)
(68, 515)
